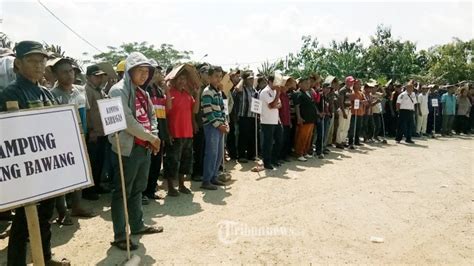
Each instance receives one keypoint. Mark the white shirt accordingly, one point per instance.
(407, 102)
(268, 116)
(423, 101)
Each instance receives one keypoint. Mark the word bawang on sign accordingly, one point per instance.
(42, 155)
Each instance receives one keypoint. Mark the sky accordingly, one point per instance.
(231, 33)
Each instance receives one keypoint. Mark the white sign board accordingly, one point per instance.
(42, 155)
(356, 104)
(226, 107)
(112, 115)
(434, 102)
(256, 106)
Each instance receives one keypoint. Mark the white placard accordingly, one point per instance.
(434, 102)
(42, 155)
(226, 107)
(380, 107)
(356, 104)
(256, 106)
(112, 115)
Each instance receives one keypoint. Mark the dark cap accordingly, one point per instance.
(25, 48)
(94, 70)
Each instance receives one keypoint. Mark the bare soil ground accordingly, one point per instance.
(419, 199)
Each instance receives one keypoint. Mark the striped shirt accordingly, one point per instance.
(212, 105)
(245, 98)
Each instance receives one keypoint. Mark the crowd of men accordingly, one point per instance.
(182, 120)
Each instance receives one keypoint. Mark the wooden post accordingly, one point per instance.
(31, 216)
(124, 194)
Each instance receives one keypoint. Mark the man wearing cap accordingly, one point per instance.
(356, 115)
(422, 111)
(306, 115)
(270, 123)
(30, 63)
(120, 69)
(344, 112)
(393, 109)
(333, 106)
(448, 101)
(245, 92)
(231, 144)
(157, 93)
(368, 121)
(137, 142)
(198, 139)
(96, 140)
(406, 107)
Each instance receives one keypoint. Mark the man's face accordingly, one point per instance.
(139, 75)
(96, 80)
(356, 86)
(249, 82)
(64, 73)
(235, 79)
(451, 90)
(182, 82)
(304, 85)
(335, 84)
(31, 66)
(349, 84)
(204, 77)
(215, 78)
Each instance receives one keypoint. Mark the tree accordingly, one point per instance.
(452, 62)
(165, 55)
(390, 58)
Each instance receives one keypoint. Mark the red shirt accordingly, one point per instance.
(141, 106)
(285, 109)
(179, 116)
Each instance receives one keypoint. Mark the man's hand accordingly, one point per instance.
(156, 145)
(300, 121)
(224, 129)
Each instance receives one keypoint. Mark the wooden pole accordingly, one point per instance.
(31, 216)
(124, 194)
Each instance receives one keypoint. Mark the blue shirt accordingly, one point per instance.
(449, 104)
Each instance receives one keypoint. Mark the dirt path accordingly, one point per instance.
(419, 199)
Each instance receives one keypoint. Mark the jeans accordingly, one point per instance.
(377, 125)
(155, 169)
(354, 129)
(406, 124)
(448, 121)
(246, 141)
(135, 170)
(322, 129)
(97, 157)
(213, 153)
(271, 143)
(19, 233)
(368, 127)
(286, 143)
(198, 146)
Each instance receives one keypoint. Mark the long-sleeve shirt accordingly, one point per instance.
(212, 106)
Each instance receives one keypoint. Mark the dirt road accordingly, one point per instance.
(419, 199)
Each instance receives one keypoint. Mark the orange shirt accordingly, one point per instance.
(360, 96)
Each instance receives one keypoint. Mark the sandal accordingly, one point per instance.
(65, 220)
(184, 190)
(149, 230)
(122, 244)
(173, 193)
